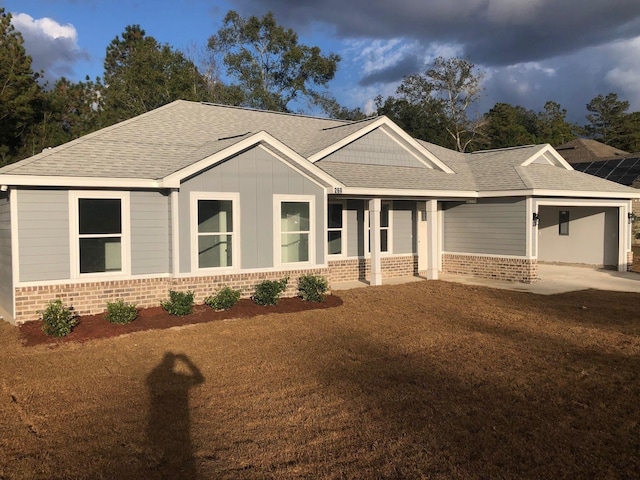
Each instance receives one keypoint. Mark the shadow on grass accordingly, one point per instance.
(472, 419)
(168, 427)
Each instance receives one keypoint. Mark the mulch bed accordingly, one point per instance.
(91, 327)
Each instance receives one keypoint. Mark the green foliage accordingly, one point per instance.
(141, 74)
(313, 288)
(121, 312)
(179, 303)
(58, 320)
(268, 291)
(224, 299)
(271, 68)
(20, 95)
(606, 119)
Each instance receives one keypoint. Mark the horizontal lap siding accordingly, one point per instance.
(6, 277)
(149, 233)
(496, 227)
(43, 234)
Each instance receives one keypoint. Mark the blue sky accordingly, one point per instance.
(531, 51)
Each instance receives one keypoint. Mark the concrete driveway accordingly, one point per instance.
(560, 279)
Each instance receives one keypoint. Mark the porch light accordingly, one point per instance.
(631, 216)
(536, 219)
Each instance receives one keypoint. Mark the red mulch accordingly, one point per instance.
(91, 327)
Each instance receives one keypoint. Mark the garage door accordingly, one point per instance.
(581, 235)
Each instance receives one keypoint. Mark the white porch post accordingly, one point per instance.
(374, 241)
(432, 244)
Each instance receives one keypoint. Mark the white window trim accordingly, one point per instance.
(277, 234)
(235, 235)
(343, 230)
(74, 237)
(367, 250)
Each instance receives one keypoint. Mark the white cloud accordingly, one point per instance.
(624, 76)
(53, 46)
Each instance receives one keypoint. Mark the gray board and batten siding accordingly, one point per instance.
(490, 226)
(256, 176)
(6, 268)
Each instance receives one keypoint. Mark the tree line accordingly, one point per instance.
(270, 69)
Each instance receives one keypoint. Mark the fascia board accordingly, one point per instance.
(381, 192)
(383, 120)
(60, 181)
(173, 180)
(559, 193)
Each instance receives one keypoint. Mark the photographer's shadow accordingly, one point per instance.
(168, 428)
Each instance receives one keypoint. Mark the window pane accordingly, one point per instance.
(99, 215)
(295, 247)
(214, 251)
(294, 217)
(563, 222)
(100, 255)
(384, 215)
(335, 215)
(384, 245)
(214, 216)
(335, 242)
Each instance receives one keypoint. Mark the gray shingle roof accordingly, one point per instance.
(161, 142)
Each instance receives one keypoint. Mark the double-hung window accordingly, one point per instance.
(215, 237)
(335, 232)
(295, 240)
(99, 233)
(385, 234)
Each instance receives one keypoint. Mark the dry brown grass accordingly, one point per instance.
(424, 380)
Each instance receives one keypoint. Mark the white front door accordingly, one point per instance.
(423, 242)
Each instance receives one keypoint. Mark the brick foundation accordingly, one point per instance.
(89, 298)
(523, 270)
(360, 268)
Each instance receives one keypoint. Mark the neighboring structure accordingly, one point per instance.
(197, 196)
(606, 162)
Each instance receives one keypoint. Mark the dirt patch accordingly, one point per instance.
(91, 327)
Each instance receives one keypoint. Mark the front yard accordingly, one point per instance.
(423, 380)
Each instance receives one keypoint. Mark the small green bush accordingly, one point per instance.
(121, 312)
(268, 291)
(58, 320)
(224, 299)
(313, 288)
(179, 303)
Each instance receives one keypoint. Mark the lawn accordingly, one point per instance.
(423, 380)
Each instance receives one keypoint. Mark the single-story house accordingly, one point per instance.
(197, 196)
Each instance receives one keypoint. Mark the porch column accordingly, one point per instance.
(432, 243)
(374, 241)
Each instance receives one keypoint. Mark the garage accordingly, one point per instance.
(579, 234)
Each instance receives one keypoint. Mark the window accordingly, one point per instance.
(334, 229)
(294, 229)
(215, 233)
(214, 237)
(384, 228)
(99, 229)
(563, 222)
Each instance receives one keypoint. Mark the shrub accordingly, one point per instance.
(268, 291)
(224, 299)
(58, 320)
(179, 303)
(312, 288)
(121, 312)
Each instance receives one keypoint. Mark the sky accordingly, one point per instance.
(530, 51)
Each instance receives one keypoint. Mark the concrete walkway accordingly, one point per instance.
(552, 279)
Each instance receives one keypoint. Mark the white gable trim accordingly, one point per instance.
(428, 159)
(173, 180)
(550, 155)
